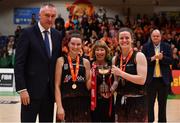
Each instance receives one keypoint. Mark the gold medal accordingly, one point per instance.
(74, 73)
(74, 86)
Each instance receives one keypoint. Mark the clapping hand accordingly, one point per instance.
(159, 55)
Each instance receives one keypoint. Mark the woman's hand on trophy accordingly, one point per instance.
(106, 95)
(114, 86)
(115, 70)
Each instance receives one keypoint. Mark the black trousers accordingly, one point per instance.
(157, 88)
(43, 108)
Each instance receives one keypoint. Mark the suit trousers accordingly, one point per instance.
(44, 107)
(157, 88)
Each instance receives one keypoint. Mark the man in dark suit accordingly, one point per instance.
(37, 50)
(159, 58)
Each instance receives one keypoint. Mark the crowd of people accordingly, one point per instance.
(94, 69)
(100, 27)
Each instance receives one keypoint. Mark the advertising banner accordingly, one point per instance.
(24, 15)
(176, 82)
(7, 82)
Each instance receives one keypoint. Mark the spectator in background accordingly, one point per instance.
(93, 37)
(10, 45)
(138, 46)
(85, 27)
(159, 57)
(86, 50)
(176, 59)
(11, 49)
(17, 34)
(76, 22)
(69, 25)
(100, 13)
(169, 39)
(37, 50)
(106, 38)
(118, 23)
(5, 60)
(7, 53)
(33, 19)
(59, 24)
(177, 41)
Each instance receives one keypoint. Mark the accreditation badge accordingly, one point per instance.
(65, 66)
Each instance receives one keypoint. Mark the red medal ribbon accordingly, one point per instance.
(74, 74)
(123, 66)
(93, 87)
(110, 103)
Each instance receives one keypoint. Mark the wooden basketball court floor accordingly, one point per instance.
(11, 112)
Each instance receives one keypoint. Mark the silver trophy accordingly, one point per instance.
(103, 70)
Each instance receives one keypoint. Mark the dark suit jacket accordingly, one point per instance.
(148, 50)
(34, 70)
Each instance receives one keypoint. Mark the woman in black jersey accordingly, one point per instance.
(71, 85)
(130, 71)
(101, 98)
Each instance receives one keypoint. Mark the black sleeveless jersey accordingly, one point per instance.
(125, 86)
(66, 80)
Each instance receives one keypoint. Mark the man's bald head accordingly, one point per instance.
(155, 31)
(156, 36)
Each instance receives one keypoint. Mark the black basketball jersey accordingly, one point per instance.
(66, 80)
(125, 86)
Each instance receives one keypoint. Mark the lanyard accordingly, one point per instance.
(74, 74)
(123, 66)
